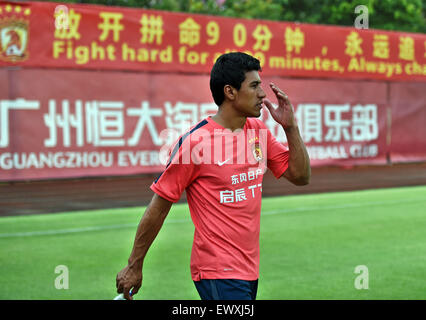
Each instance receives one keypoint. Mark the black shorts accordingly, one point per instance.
(226, 289)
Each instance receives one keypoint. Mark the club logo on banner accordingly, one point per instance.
(14, 26)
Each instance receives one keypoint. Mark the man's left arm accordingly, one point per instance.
(299, 169)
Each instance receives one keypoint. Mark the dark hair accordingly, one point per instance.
(230, 69)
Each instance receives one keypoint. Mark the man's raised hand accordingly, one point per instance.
(284, 113)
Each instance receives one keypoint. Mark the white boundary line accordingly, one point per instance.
(133, 225)
(347, 205)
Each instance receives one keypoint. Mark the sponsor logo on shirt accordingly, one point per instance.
(221, 163)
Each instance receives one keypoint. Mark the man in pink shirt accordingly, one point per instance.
(220, 163)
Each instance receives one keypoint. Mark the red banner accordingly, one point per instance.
(62, 123)
(408, 139)
(45, 34)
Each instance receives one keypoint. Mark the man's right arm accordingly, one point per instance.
(131, 276)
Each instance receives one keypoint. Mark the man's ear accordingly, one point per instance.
(229, 92)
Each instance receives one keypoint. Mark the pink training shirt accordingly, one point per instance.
(222, 173)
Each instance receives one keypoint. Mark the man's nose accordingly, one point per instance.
(261, 93)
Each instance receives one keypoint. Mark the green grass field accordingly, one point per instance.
(310, 246)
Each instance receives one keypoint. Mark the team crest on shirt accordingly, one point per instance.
(257, 152)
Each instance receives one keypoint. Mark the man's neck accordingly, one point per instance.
(228, 119)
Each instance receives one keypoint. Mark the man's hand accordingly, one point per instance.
(299, 168)
(149, 226)
(284, 113)
(127, 279)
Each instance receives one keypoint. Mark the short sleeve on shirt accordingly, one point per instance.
(278, 156)
(179, 173)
